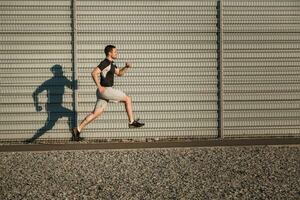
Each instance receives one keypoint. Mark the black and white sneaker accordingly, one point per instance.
(76, 135)
(136, 124)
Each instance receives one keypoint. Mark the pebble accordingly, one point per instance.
(251, 172)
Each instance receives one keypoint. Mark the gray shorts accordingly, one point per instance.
(109, 95)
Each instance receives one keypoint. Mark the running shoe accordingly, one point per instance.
(76, 135)
(136, 124)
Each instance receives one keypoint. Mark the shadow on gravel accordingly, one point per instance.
(55, 88)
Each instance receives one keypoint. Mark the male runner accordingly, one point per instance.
(105, 93)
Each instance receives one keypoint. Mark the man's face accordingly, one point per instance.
(114, 53)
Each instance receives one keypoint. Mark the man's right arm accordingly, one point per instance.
(95, 75)
(36, 93)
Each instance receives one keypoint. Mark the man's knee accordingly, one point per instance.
(97, 112)
(127, 99)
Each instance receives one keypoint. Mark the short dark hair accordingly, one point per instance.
(108, 49)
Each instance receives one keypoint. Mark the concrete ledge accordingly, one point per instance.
(144, 145)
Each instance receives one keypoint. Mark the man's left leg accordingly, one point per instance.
(119, 96)
(128, 107)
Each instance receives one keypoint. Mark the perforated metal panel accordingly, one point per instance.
(172, 45)
(261, 62)
(35, 66)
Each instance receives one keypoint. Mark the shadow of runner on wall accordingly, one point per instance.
(55, 88)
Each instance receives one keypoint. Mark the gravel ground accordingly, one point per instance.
(257, 172)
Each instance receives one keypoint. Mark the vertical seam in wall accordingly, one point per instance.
(74, 61)
(220, 68)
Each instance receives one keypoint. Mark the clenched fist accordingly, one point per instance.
(128, 65)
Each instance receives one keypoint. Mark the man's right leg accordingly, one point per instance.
(89, 118)
(101, 104)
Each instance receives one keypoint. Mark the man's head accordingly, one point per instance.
(111, 51)
(57, 70)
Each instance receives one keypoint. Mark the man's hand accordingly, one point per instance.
(128, 65)
(101, 89)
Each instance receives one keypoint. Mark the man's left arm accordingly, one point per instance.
(123, 70)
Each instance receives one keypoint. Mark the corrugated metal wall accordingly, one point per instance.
(174, 82)
(35, 66)
(261, 62)
(172, 45)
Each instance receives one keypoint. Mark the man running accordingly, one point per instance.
(105, 92)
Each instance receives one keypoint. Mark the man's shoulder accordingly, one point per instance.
(104, 63)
